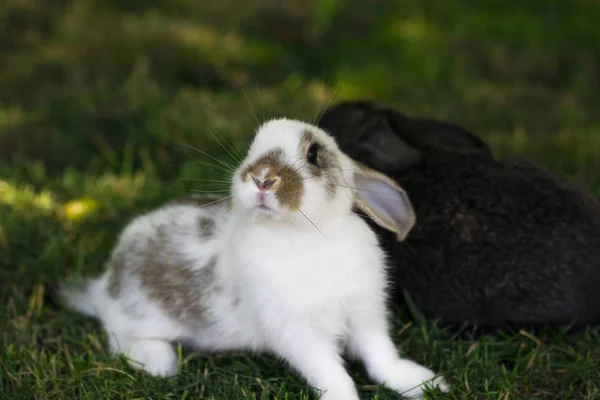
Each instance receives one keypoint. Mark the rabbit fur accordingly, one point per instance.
(284, 268)
(497, 243)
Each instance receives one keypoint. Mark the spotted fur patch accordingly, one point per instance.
(118, 265)
(165, 277)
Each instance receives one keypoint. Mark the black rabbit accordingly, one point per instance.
(497, 242)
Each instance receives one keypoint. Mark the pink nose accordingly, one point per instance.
(263, 185)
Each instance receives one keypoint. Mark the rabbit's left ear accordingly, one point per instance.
(383, 200)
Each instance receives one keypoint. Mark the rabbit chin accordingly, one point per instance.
(262, 211)
(247, 202)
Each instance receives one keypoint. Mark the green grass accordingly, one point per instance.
(97, 99)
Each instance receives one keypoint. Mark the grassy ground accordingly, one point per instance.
(98, 97)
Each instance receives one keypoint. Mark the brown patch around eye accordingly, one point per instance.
(327, 167)
(306, 140)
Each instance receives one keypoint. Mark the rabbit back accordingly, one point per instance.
(169, 258)
(499, 242)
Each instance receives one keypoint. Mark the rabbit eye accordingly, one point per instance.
(312, 153)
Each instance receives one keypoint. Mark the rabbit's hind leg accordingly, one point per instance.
(145, 335)
(155, 356)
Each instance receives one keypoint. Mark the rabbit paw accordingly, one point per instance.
(409, 379)
(153, 356)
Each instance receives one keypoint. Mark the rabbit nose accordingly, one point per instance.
(264, 184)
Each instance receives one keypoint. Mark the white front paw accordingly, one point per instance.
(409, 379)
(153, 356)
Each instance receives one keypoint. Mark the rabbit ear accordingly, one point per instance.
(390, 141)
(384, 201)
(365, 133)
(389, 151)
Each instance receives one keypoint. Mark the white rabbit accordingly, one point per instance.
(286, 268)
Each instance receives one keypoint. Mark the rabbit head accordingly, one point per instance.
(390, 141)
(295, 171)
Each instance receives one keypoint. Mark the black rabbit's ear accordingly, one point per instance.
(391, 142)
(365, 134)
(453, 138)
(430, 135)
(383, 201)
(386, 150)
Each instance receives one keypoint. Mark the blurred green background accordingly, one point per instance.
(77, 77)
(98, 98)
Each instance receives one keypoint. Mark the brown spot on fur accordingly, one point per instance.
(207, 227)
(165, 276)
(271, 161)
(326, 166)
(117, 267)
(171, 282)
(306, 140)
(289, 187)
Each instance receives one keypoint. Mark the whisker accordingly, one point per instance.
(215, 187)
(316, 121)
(208, 182)
(236, 157)
(322, 91)
(294, 163)
(309, 220)
(198, 162)
(262, 105)
(228, 166)
(209, 191)
(340, 169)
(365, 190)
(251, 108)
(328, 172)
(302, 166)
(205, 180)
(217, 201)
(233, 208)
(334, 169)
(288, 161)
